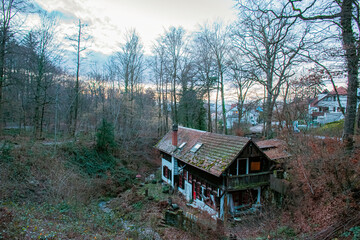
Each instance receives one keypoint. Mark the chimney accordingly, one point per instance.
(175, 135)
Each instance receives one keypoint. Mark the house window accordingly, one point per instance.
(182, 145)
(196, 147)
(255, 166)
(165, 171)
(185, 176)
(190, 178)
(334, 109)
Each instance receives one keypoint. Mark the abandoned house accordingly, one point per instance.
(220, 173)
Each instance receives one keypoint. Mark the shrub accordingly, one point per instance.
(5, 152)
(93, 162)
(323, 176)
(287, 231)
(102, 165)
(354, 231)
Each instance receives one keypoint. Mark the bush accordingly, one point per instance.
(92, 162)
(354, 231)
(102, 165)
(5, 152)
(287, 232)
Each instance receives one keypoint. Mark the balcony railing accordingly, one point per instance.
(241, 182)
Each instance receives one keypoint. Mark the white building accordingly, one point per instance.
(248, 116)
(325, 108)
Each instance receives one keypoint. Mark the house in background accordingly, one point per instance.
(249, 116)
(219, 173)
(325, 108)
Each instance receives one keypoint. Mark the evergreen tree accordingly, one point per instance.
(191, 110)
(105, 139)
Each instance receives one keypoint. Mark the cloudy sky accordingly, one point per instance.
(108, 20)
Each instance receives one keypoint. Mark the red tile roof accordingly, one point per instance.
(270, 143)
(217, 150)
(314, 102)
(214, 156)
(340, 90)
(275, 149)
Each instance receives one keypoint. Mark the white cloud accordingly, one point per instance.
(109, 19)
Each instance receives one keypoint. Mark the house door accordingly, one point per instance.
(194, 190)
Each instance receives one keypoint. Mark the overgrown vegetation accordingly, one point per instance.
(48, 194)
(325, 184)
(65, 220)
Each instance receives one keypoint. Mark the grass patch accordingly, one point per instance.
(333, 129)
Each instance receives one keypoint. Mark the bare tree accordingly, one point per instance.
(131, 62)
(79, 44)
(131, 66)
(216, 36)
(9, 10)
(157, 65)
(242, 79)
(271, 47)
(44, 54)
(206, 67)
(345, 16)
(173, 41)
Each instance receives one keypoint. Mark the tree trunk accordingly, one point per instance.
(268, 115)
(352, 62)
(216, 107)
(2, 75)
(37, 109)
(175, 120)
(209, 110)
(223, 103)
(165, 102)
(76, 106)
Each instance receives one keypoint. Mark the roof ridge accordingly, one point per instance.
(197, 130)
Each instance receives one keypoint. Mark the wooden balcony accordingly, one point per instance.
(253, 180)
